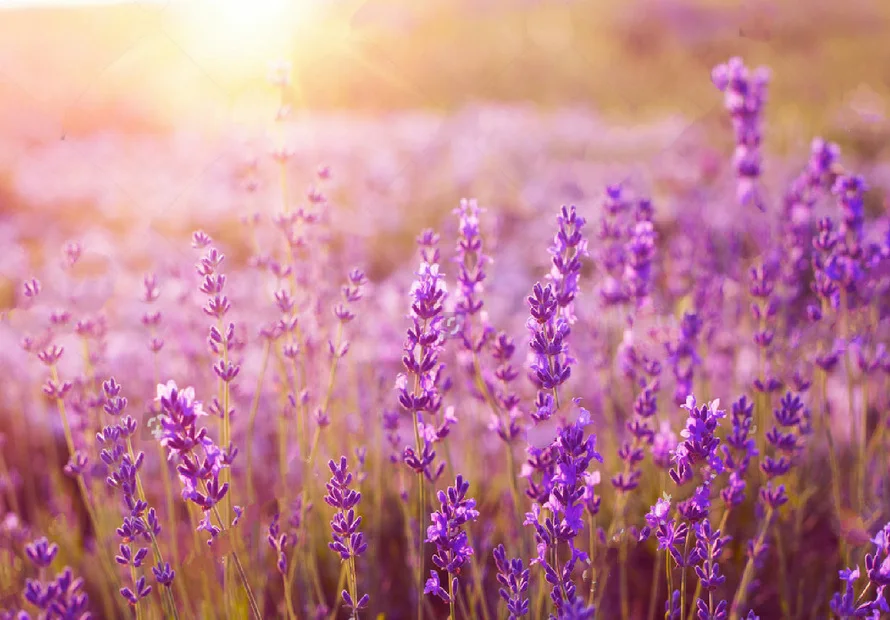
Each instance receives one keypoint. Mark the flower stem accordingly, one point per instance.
(748, 573)
(85, 496)
(451, 614)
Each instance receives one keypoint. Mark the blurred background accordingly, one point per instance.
(146, 116)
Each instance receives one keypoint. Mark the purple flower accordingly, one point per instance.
(62, 597)
(447, 529)
(550, 307)
(422, 347)
(514, 583)
(699, 445)
(434, 587)
(640, 253)
(199, 472)
(745, 97)
(348, 542)
(849, 190)
(41, 552)
(471, 273)
(614, 237)
(568, 246)
(682, 355)
(569, 458)
(877, 567)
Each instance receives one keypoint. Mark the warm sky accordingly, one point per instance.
(17, 4)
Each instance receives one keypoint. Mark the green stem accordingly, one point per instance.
(683, 573)
(327, 399)
(251, 599)
(748, 573)
(85, 496)
(451, 614)
(169, 601)
(653, 593)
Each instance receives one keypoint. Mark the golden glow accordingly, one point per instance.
(243, 34)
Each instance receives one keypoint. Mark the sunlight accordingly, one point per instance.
(244, 32)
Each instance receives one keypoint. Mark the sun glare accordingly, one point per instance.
(244, 32)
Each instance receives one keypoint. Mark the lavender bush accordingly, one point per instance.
(268, 424)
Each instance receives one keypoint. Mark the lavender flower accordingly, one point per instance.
(699, 445)
(572, 454)
(640, 253)
(745, 96)
(349, 542)
(567, 249)
(708, 546)
(419, 387)
(738, 448)
(448, 534)
(613, 236)
(514, 583)
(683, 357)
(140, 520)
(61, 597)
(551, 313)
(199, 472)
(471, 274)
(846, 604)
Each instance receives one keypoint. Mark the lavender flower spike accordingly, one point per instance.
(447, 533)
(745, 97)
(348, 541)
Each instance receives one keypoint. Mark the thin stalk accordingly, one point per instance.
(562, 585)
(451, 615)
(169, 601)
(622, 577)
(421, 501)
(330, 390)
(697, 593)
(783, 578)
(136, 608)
(832, 457)
(421, 496)
(616, 525)
(288, 599)
(341, 581)
(478, 592)
(653, 593)
(251, 419)
(684, 572)
(748, 573)
(11, 494)
(85, 496)
(591, 526)
(858, 430)
(166, 482)
(225, 474)
(864, 442)
(254, 608)
(197, 545)
(542, 582)
(498, 411)
(669, 578)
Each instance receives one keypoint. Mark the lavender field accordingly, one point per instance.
(463, 348)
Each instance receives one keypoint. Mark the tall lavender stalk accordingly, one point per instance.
(745, 97)
(348, 541)
(140, 520)
(200, 463)
(449, 535)
(567, 456)
(418, 388)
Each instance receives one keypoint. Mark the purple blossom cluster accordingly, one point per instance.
(606, 479)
